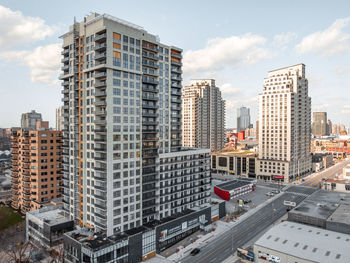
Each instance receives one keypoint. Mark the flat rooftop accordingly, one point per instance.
(307, 242)
(235, 183)
(238, 153)
(341, 215)
(321, 204)
(51, 215)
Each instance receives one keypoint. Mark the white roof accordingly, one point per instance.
(307, 242)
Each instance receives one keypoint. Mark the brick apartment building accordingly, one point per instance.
(36, 166)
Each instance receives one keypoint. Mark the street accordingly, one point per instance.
(224, 246)
(330, 172)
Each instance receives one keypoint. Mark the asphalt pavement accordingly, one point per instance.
(316, 178)
(225, 245)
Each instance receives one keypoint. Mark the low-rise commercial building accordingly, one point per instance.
(341, 185)
(234, 188)
(321, 161)
(242, 163)
(291, 242)
(324, 209)
(141, 243)
(45, 227)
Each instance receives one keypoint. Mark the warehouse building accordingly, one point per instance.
(291, 242)
(325, 209)
(234, 188)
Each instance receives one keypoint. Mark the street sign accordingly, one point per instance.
(289, 203)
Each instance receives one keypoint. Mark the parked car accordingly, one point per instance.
(195, 251)
(247, 201)
(276, 191)
(269, 194)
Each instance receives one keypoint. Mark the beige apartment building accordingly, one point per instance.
(284, 125)
(203, 115)
(36, 167)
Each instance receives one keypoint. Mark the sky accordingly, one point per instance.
(234, 42)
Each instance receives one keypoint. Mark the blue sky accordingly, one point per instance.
(234, 42)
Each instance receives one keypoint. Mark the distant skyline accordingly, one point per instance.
(235, 43)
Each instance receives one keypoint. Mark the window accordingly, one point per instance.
(116, 36)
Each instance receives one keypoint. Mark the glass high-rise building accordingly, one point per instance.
(243, 118)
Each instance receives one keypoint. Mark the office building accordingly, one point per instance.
(243, 118)
(29, 119)
(59, 118)
(290, 242)
(45, 227)
(203, 112)
(241, 163)
(320, 124)
(284, 125)
(36, 167)
(122, 122)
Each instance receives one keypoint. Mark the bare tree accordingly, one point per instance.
(17, 253)
(57, 255)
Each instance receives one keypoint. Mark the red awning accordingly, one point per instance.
(278, 177)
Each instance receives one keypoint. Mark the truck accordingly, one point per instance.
(245, 255)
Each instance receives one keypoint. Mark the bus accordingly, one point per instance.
(247, 256)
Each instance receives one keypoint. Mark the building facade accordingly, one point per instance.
(29, 119)
(243, 118)
(320, 126)
(241, 163)
(36, 167)
(122, 116)
(59, 118)
(284, 125)
(203, 115)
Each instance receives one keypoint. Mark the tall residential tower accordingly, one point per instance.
(284, 125)
(122, 128)
(203, 112)
(29, 119)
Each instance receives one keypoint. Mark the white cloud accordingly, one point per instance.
(328, 42)
(43, 62)
(283, 39)
(16, 29)
(227, 89)
(220, 53)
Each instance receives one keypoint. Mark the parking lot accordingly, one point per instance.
(257, 197)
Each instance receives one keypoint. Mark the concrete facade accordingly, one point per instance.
(203, 115)
(284, 125)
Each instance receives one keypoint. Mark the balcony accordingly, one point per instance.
(176, 70)
(100, 47)
(173, 62)
(100, 112)
(149, 106)
(101, 56)
(150, 89)
(100, 149)
(150, 56)
(65, 59)
(176, 55)
(149, 64)
(101, 103)
(65, 68)
(149, 97)
(150, 48)
(100, 84)
(100, 75)
(65, 51)
(101, 37)
(100, 130)
(149, 80)
(101, 93)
